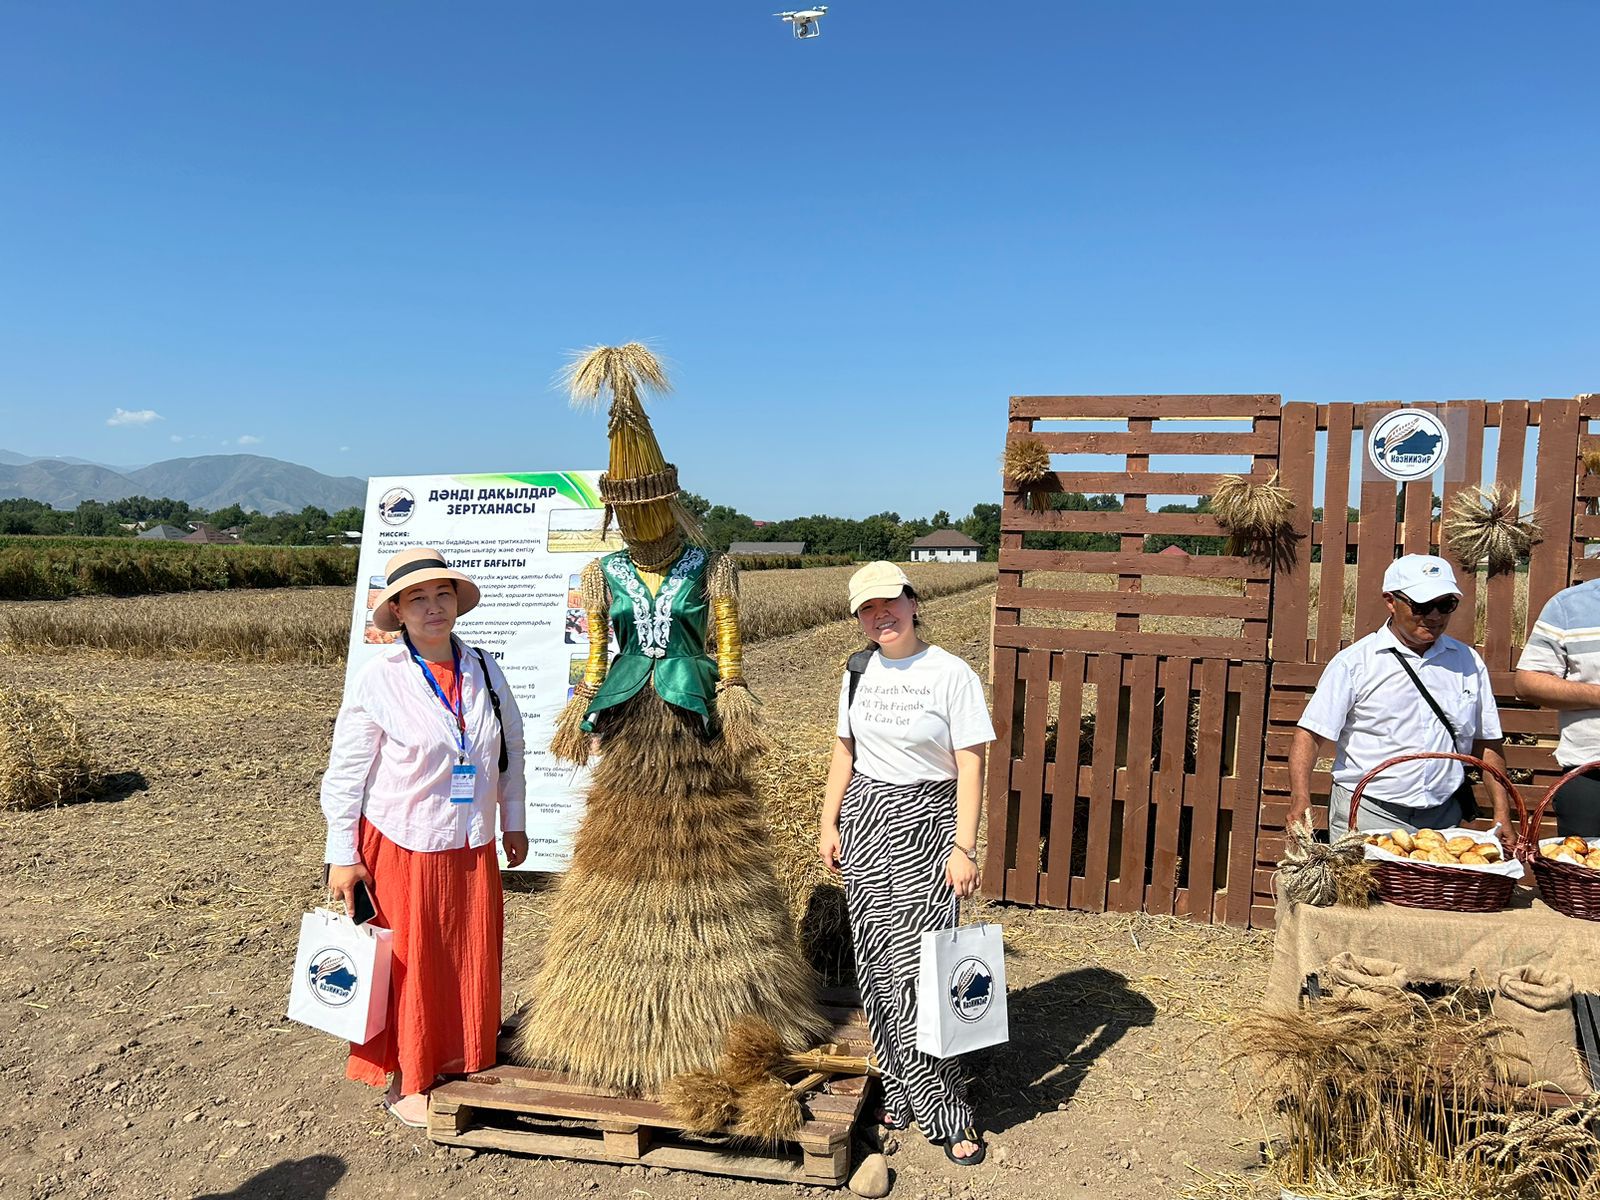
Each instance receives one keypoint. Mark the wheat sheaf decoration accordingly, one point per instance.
(1320, 874)
(1256, 515)
(1027, 464)
(1486, 524)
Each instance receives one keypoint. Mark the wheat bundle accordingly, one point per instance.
(1254, 514)
(769, 1111)
(1484, 524)
(1320, 874)
(702, 1101)
(43, 761)
(1591, 461)
(1027, 464)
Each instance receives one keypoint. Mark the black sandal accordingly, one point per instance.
(969, 1134)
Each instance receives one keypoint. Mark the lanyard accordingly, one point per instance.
(456, 710)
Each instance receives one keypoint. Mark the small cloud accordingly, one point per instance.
(249, 439)
(344, 449)
(142, 416)
(175, 438)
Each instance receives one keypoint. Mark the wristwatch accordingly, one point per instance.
(972, 854)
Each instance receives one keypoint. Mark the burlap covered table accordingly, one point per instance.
(1433, 946)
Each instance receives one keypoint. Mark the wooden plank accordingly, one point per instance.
(1068, 671)
(1251, 685)
(1554, 505)
(1261, 442)
(1108, 684)
(1097, 640)
(1131, 543)
(1464, 469)
(1033, 671)
(719, 1161)
(1291, 586)
(1375, 551)
(1497, 625)
(1170, 788)
(1100, 562)
(997, 805)
(1161, 408)
(1206, 792)
(1154, 483)
(1125, 522)
(1129, 892)
(1336, 502)
(1189, 605)
(1417, 518)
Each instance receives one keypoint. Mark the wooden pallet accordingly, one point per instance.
(529, 1111)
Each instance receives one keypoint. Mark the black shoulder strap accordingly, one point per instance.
(494, 700)
(1425, 693)
(857, 667)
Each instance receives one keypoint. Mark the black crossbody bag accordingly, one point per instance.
(494, 700)
(1463, 795)
(857, 666)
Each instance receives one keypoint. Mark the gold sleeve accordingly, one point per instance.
(723, 588)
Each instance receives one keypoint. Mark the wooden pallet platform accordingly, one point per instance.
(530, 1111)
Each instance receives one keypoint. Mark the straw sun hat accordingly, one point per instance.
(411, 567)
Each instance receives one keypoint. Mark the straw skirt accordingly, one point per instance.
(447, 913)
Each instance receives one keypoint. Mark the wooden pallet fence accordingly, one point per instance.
(545, 1113)
(1586, 514)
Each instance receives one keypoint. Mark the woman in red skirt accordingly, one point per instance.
(414, 785)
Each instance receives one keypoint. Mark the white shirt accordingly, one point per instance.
(911, 715)
(1565, 642)
(1367, 703)
(394, 745)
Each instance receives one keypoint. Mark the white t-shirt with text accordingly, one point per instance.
(911, 715)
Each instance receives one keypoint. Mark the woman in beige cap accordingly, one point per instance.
(900, 818)
(427, 752)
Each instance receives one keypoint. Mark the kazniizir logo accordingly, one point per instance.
(1407, 444)
(396, 506)
(333, 977)
(971, 989)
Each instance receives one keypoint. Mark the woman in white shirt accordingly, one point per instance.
(427, 752)
(900, 818)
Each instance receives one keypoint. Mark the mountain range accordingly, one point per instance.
(211, 481)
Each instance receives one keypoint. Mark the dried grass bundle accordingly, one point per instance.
(769, 1111)
(1254, 514)
(43, 761)
(1591, 462)
(1484, 523)
(1390, 1094)
(1027, 463)
(751, 1049)
(1321, 874)
(703, 1101)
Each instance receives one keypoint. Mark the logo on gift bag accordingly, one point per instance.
(971, 989)
(333, 977)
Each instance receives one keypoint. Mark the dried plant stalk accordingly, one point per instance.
(43, 761)
(1027, 463)
(1484, 524)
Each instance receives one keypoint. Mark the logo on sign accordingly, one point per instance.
(971, 989)
(1407, 444)
(396, 506)
(333, 977)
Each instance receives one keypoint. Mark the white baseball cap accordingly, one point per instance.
(1422, 577)
(876, 581)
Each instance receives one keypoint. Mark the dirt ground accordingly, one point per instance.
(146, 941)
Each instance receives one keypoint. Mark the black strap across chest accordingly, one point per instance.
(1424, 693)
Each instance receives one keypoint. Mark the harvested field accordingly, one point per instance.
(311, 625)
(146, 939)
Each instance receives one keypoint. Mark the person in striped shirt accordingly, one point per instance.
(1560, 669)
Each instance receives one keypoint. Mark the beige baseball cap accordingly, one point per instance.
(876, 581)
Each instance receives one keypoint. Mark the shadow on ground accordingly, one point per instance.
(299, 1179)
(1059, 1027)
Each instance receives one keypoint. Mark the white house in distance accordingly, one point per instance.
(945, 545)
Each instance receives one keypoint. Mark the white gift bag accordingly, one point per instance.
(961, 991)
(341, 977)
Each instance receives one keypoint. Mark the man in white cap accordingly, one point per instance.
(1404, 687)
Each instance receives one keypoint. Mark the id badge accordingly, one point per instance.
(462, 779)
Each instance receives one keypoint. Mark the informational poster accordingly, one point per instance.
(524, 539)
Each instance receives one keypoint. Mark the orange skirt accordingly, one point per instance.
(448, 916)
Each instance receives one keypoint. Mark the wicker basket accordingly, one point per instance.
(1572, 890)
(1429, 885)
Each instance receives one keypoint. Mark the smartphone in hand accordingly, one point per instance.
(364, 909)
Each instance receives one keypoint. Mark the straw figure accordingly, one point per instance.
(1321, 874)
(1027, 464)
(670, 924)
(42, 757)
(1484, 524)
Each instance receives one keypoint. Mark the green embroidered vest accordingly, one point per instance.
(661, 639)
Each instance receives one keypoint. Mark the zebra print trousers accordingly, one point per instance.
(894, 841)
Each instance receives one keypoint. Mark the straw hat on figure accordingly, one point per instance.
(670, 925)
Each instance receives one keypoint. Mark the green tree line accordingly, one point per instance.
(311, 526)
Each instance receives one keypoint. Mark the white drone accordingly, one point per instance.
(807, 22)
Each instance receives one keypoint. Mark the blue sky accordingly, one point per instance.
(368, 234)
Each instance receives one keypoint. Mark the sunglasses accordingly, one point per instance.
(1444, 604)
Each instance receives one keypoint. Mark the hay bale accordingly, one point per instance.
(42, 757)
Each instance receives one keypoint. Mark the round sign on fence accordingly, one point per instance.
(1407, 444)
